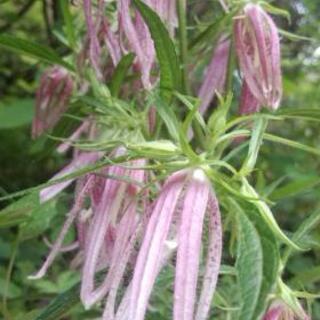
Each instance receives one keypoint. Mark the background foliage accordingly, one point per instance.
(24, 163)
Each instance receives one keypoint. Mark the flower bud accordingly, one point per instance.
(52, 99)
(258, 50)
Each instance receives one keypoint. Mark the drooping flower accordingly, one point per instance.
(52, 99)
(280, 311)
(177, 222)
(111, 234)
(94, 45)
(258, 50)
(216, 73)
(139, 39)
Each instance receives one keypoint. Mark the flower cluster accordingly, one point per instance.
(125, 228)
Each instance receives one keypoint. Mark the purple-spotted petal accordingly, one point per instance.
(189, 244)
(150, 254)
(213, 262)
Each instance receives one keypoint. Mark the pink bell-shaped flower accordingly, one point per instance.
(52, 99)
(176, 223)
(258, 50)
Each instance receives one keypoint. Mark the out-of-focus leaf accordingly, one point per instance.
(19, 211)
(13, 290)
(16, 113)
(39, 220)
(34, 50)
(292, 144)
(67, 17)
(170, 75)
(295, 187)
(64, 302)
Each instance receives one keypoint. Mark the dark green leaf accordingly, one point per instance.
(120, 74)
(33, 50)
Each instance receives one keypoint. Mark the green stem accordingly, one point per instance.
(5, 310)
(183, 42)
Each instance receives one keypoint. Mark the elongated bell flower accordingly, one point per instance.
(111, 230)
(94, 45)
(280, 311)
(216, 73)
(258, 50)
(139, 39)
(177, 222)
(52, 99)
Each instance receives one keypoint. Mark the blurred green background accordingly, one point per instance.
(24, 163)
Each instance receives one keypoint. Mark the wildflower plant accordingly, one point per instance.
(162, 165)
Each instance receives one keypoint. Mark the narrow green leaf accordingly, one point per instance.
(168, 117)
(249, 265)
(120, 74)
(170, 75)
(259, 128)
(292, 144)
(33, 50)
(267, 215)
(295, 187)
(67, 17)
(305, 229)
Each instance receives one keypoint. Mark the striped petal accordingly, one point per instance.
(189, 244)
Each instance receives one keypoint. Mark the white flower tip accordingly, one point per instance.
(199, 175)
(171, 244)
(37, 276)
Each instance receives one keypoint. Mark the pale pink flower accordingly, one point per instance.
(258, 50)
(112, 231)
(216, 73)
(52, 99)
(177, 222)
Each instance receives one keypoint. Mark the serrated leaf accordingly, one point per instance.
(34, 50)
(120, 73)
(250, 267)
(170, 75)
(271, 260)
